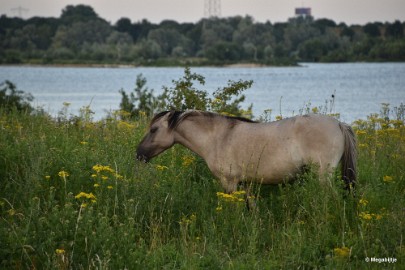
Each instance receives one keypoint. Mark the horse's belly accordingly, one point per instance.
(273, 174)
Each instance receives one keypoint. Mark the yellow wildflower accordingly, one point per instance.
(366, 216)
(123, 125)
(48, 177)
(100, 168)
(363, 145)
(161, 167)
(83, 143)
(377, 216)
(397, 123)
(96, 185)
(60, 251)
(11, 212)
(279, 117)
(234, 197)
(360, 132)
(240, 192)
(395, 156)
(315, 110)
(110, 187)
(122, 113)
(104, 177)
(85, 195)
(218, 209)
(370, 216)
(216, 100)
(186, 221)
(63, 174)
(388, 179)
(187, 160)
(363, 202)
(342, 252)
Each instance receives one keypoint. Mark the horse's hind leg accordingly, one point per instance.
(325, 173)
(249, 197)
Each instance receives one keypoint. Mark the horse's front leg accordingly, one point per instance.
(231, 185)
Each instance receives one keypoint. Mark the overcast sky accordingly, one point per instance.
(348, 11)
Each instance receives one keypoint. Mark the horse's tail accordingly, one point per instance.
(349, 158)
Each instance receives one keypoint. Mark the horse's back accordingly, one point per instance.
(319, 139)
(279, 149)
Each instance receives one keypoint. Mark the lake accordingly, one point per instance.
(359, 88)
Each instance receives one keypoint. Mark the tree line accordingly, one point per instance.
(80, 36)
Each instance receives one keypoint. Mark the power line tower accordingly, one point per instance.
(212, 8)
(19, 11)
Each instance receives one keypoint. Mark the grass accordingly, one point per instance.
(72, 196)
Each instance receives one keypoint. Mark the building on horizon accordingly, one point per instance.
(303, 12)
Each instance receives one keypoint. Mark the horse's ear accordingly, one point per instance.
(171, 114)
(173, 118)
(168, 118)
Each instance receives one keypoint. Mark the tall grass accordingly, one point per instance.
(73, 197)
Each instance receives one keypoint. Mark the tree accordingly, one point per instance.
(245, 31)
(395, 30)
(148, 49)
(166, 38)
(79, 13)
(215, 31)
(77, 34)
(346, 31)
(124, 25)
(298, 32)
(372, 29)
(225, 51)
(142, 29)
(312, 50)
(324, 24)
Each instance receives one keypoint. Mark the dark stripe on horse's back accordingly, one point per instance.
(243, 119)
(177, 116)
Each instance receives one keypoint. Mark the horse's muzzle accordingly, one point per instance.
(142, 157)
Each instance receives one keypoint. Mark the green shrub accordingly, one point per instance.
(184, 95)
(13, 99)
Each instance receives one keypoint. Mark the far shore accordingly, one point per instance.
(95, 65)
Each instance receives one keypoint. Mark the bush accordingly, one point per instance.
(11, 98)
(141, 100)
(184, 95)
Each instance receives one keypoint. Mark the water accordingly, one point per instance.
(359, 88)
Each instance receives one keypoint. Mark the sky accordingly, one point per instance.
(347, 11)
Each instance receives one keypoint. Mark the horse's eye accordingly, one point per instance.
(153, 130)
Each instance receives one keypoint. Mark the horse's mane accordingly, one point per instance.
(177, 116)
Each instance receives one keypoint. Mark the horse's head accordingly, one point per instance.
(159, 137)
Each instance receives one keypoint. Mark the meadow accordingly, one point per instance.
(72, 196)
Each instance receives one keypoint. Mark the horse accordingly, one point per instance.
(238, 150)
